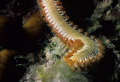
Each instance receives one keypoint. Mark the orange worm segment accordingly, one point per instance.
(84, 50)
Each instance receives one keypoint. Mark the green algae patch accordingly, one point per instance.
(59, 72)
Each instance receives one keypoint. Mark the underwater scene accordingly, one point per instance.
(59, 41)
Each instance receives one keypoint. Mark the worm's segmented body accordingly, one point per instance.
(84, 50)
